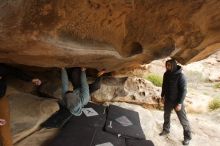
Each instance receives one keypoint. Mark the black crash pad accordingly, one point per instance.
(124, 122)
(74, 136)
(96, 119)
(134, 142)
(85, 136)
(106, 139)
(58, 119)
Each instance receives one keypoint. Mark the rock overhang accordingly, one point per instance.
(107, 34)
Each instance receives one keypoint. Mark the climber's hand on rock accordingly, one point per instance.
(100, 73)
(2, 122)
(83, 69)
(36, 82)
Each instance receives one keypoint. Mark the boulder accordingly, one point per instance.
(107, 34)
(28, 112)
(132, 89)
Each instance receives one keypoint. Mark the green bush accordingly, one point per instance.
(214, 104)
(217, 85)
(155, 79)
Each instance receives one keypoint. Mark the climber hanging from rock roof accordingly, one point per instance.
(80, 96)
(73, 101)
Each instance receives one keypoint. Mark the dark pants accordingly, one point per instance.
(95, 85)
(74, 77)
(168, 107)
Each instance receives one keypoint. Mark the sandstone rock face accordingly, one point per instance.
(132, 90)
(107, 34)
(142, 92)
(28, 112)
(209, 68)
